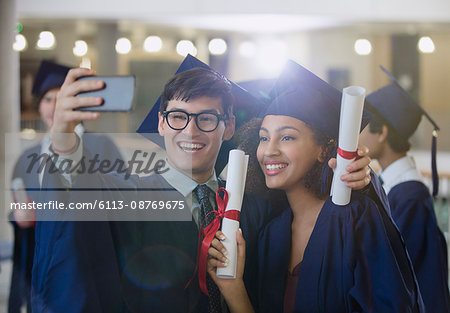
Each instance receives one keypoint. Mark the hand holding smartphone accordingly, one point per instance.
(117, 94)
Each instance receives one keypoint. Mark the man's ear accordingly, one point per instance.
(229, 128)
(382, 137)
(161, 124)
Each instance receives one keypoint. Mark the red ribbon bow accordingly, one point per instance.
(208, 234)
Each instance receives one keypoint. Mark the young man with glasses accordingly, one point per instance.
(157, 259)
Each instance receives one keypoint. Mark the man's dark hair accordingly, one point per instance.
(396, 142)
(195, 83)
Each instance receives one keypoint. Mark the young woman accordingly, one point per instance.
(316, 256)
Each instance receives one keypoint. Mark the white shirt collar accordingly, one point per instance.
(184, 184)
(402, 170)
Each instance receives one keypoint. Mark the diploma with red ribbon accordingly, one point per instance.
(236, 176)
(349, 125)
(229, 202)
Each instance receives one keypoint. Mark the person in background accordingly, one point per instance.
(387, 136)
(316, 256)
(27, 183)
(47, 82)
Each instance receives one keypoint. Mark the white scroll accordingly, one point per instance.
(236, 176)
(349, 126)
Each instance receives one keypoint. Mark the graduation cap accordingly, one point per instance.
(50, 75)
(402, 112)
(246, 106)
(301, 94)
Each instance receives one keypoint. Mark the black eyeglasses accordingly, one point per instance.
(206, 122)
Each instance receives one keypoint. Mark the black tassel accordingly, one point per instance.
(434, 173)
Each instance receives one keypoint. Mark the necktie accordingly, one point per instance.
(203, 193)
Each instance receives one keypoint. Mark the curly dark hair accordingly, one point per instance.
(247, 139)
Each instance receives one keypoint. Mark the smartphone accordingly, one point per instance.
(117, 94)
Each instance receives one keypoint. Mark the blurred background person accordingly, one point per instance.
(387, 136)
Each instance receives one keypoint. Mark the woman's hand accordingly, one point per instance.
(217, 257)
(233, 290)
(358, 175)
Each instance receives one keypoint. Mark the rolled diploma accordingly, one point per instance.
(349, 126)
(236, 176)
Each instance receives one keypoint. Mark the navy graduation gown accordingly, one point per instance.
(413, 212)
(23, 252)
(152, 261)
(74, 266)
(157, 259)
(349, 265)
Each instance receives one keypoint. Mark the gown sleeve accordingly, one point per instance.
(380, 282)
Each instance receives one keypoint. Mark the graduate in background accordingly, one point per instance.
(317, 256)
(387, 135)
(47, 83)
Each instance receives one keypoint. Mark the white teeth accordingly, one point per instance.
(272, 167)
(190, 146)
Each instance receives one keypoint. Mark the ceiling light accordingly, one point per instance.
(363, 47)
(185, 47)
(46, 40)
(21, 43)
(80, 48)
(123, 45)
(152, 44)
(426, 45)
(217, 46)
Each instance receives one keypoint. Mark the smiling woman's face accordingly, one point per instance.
(287, 151)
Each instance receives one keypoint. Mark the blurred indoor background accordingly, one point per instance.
(343, 42)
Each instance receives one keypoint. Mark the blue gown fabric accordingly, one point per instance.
(133, 266)
(355, 261)
(23, 252)
(72, 259)
(413, 212)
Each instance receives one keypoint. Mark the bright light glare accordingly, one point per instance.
(80, 48)
(247, 49)
(426, 45)
(46, 40)
(363, 47)
(185, 47)
(85, 63)
(272, 56)
(21, 43)
(123, 45)
(152, 44)
(217, 46)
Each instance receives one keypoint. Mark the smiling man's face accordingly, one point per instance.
(191, 150)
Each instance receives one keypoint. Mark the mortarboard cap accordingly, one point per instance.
(301, 94)
(402, 112)
(50, 75)
(246, 106)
